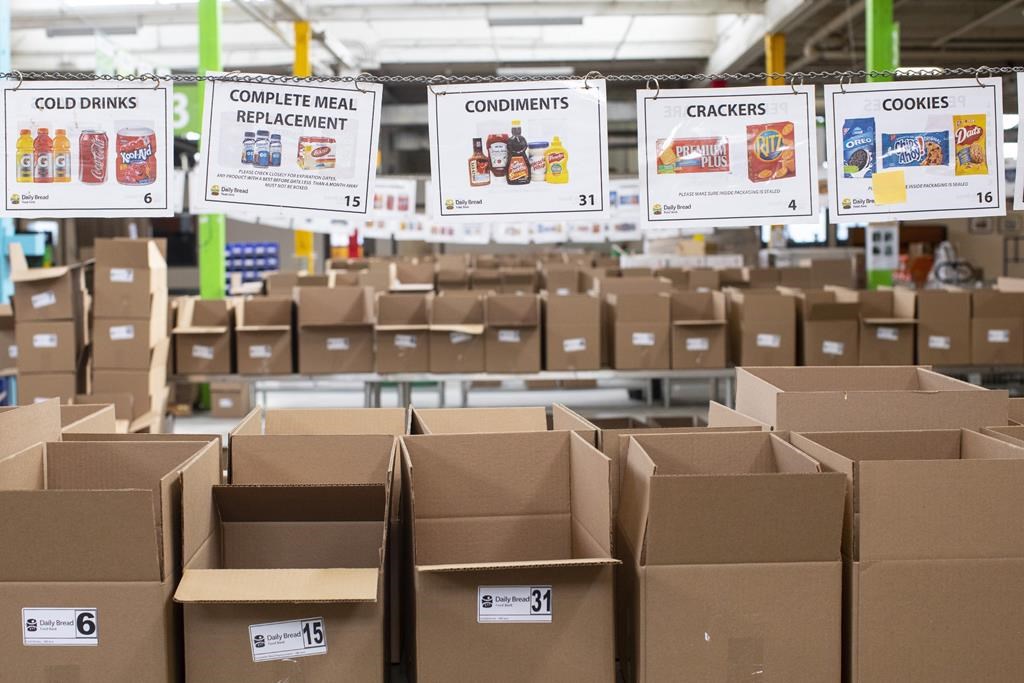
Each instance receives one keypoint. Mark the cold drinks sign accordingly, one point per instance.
(290, 149)
(87, 148)
(529, 150)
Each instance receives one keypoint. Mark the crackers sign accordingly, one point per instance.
(915, 151)
(727, 156)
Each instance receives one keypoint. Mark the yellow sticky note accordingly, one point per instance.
(890, 187)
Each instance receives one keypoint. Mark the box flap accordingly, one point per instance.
(26, 425)
(475, 330)
(403, 311)
(278, 585)
(264, 314)
(311, 459)
(337, 421)
(480, 420)
(335, 306)
(133, 253)
(536, 564)
(20, 272)
(96, 419)
(512, 310)
(723, 416)
(301, 503)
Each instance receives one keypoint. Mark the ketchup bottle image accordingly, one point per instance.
(497, 153)
(518, 162)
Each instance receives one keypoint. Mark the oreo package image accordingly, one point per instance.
(858, 148)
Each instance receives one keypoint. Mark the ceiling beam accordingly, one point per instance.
(742, 40)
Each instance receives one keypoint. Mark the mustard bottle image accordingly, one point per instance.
(61, 157)
(24, 150)
(556, 158)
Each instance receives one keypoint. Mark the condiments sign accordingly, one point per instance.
(307, 149)
(727, 156)
(523, 150)
(915, 151)
(87, 148)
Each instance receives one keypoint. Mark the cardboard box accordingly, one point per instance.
(829, 329)
(499, 420)
(851, 398)
(513, 336)
(457, 332)
(452, 273)
(8, 341)
(61, 560)
(25, 426)
(88, 419)
(698, 330)
(798, 277)
(762, 328)
(403, 332)
(229, 399)
(572, 332)
(943, 327)
(485, 278)
(55, 293)
(836, 271)
(517, 280)
(202, 336)
(127, 343)
(560, 280)
(997, 328)
(123, 402)
(931, 578)
(499, 522)
(723, 416)
(263, 336)
(306, 421)
(1016, 410)
(147, 387)
(887, 326)
(736, 535)
(48, 345)
(412, 277)
(761, 278)
(130, 279)
(640, 330)
(37, 386)
(335, 332)
(705, 279)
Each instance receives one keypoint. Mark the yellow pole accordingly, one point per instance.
(303, 68)
(775, 57)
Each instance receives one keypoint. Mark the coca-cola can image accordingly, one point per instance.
(135, 156)
(92, 156)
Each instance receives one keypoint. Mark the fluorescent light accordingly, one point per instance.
(535, 71)
(495, 22)
(71, 31)
(1010, 121)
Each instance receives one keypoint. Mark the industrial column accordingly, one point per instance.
(303, 68)
(775, 57)
(882, 38)
(212, 228)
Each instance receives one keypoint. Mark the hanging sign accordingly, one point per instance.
(915, 151)
(727, 156)
(87, 148)
(523, 150)
(626, 214)
(1018, 187)
(394, 198)
(588, 232)
(290, 149)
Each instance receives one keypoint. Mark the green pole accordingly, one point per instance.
(212, 229)
(881, 38)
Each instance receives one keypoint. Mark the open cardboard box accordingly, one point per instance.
(497, 420)
(935, 567)
(130, 279)
(263, 336)
(202, 336)
(572, 331)
(733, 569)
(335, 329)
(411, 277)
(147, 386)
(944, 327)
(403, 332)
(513, 335)
(762, 327)
(698, 330)
(887, 325)
(457, 332)
(829, 329)
(640, 326)
(56, 293)
(93, 418)
(997, 327)
(511, 542)
(872, 398)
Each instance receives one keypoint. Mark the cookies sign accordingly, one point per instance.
(727, 156)
(915, 151)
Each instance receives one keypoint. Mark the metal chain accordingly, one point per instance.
(238, 77)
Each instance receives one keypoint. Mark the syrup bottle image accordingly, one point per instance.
(518, 162)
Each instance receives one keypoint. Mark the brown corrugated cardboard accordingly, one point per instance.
(60, 503)
(719, 528)
(48, 346)
(27, 425)
(705, 279)
(640, 330)
(45, 293)
(412, 277)
(457, 332)
(403, 332)
(513, 336)
(485, 278)
(8, 341)
(147, 387)
(931, 578)
(392, 421)
(761, 278)
(126, 343)
(943, 327)
(1016, 410)
(495, 420)
(887, 326)
(123, 402)
(698, 330)
(517, 280)
(838, 272)
(829, 329)
(511, 552)
(37, 386)
(130, 279)
(796, 276)
(762, 328)
(88, 419)
(335, 332)
(202, 336)
(263, 336)
(560, 280)
(854, 398)
(997, 328)
(229, 399)
(572, 332)
(724, 416)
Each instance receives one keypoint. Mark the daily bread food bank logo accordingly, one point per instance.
(656, 209)
(259, 641)
(487, 601)
(449, 204)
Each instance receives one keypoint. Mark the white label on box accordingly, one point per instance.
(44, 299)
(338, 344)
(459, 337)
(574, 345)
(60, 626)
(508, 336)
(122, 332)
(12, 351)
(769, 341)
(225, 402)
(203, 352)
(562, 291)
(260, 351)
(643, 339)
(887, 334)
(125, 275)
(941, 343)
(288, 639)
(44, 341)
(405, 341)
(513, 604)
(998, 336)
(832, 348)
(698, 343)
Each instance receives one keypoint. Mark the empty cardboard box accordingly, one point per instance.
(457, 332)
(403, 332)
(943, 327)
(202, 336)
(335, 332)
(263, 336)
(513, 337)
(829, 329)
(55, 293)
(640, 330)
(130, 279)
(572, 332)
(698, 330)
(887, 326)
(762, 328)
(229, 399)
(997, 328)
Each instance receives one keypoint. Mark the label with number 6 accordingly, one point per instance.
(60, 626)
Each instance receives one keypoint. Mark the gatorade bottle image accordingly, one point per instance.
(557, 160)
(61, 157)
(24, 159)
(42, 157)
